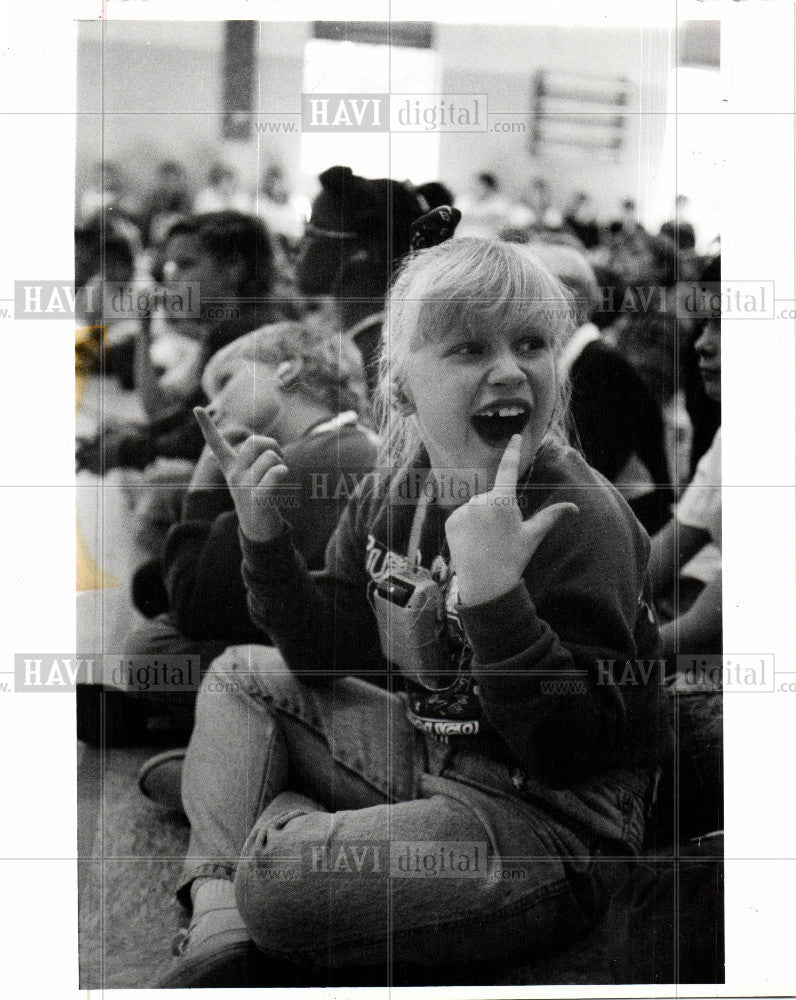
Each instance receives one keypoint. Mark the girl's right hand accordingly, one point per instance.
(254, 472)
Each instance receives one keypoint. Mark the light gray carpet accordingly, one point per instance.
(128, 915)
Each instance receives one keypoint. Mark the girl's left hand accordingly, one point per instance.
(489, 542)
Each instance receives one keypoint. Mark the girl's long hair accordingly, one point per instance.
(467, 283)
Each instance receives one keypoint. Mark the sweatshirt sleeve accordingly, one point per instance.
(203, 557)
(546, 669)
(202, 561)
(320, 621)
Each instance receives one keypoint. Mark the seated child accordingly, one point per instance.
(615, 419)
(298, 392)
(501, 583)
(695, 533)
(104, 264)
(359, 230)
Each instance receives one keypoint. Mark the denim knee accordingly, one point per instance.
(250, 670)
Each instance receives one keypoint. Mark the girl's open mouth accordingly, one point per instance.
(497, 423)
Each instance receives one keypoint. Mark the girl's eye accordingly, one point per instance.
(469, 349)
(529, 345)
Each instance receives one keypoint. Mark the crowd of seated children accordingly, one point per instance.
(350, 253)
(348, 256)
(348, 214)
(145, 212)
(227, 257)
(333, 718)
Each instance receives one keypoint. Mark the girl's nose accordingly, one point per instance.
(505, 370)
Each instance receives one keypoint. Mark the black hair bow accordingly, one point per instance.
(434, 227)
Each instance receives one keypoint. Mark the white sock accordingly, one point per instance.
(216, 921)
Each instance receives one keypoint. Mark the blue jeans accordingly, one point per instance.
(353, 838)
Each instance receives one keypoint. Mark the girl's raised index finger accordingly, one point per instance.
(508, 470)
(221, 449)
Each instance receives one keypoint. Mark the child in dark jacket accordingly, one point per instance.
(297, 389)
(500, 584)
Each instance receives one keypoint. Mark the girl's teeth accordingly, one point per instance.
(505, 411)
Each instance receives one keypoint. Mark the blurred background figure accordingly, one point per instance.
(544, 214)
(168, 199)
(581, 218)
(106, 192)
(627, 245)
(222, 192)
(486, 212)
(284, 213)
(628, 220)
(106, 200)
(679, 230)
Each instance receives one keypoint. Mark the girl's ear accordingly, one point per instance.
(403, 399)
